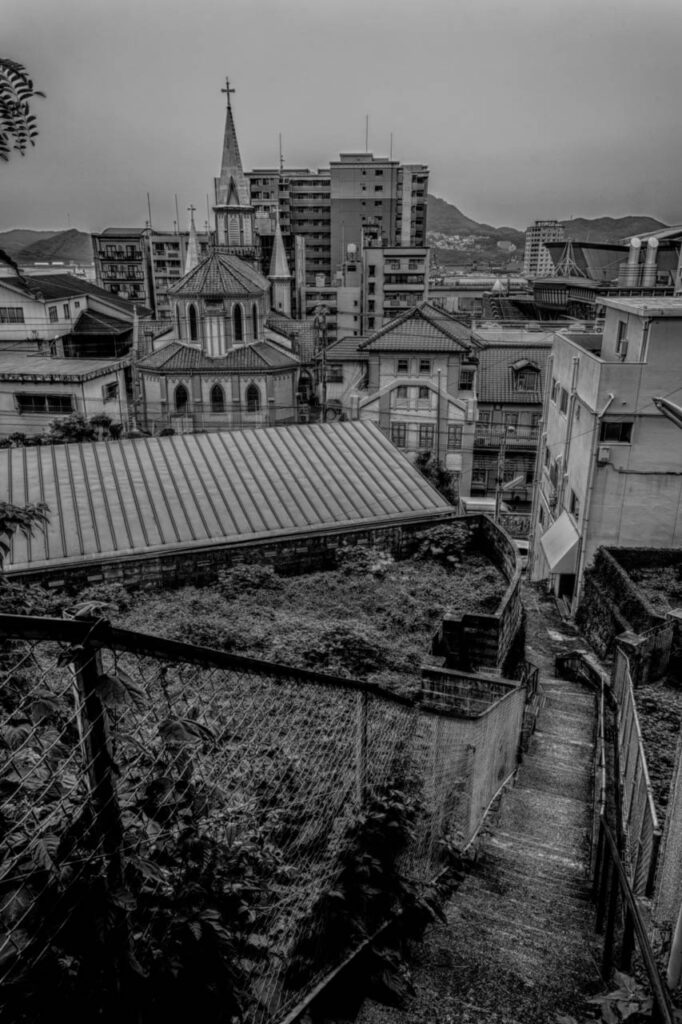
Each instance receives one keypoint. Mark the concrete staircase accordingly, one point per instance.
(518, 945)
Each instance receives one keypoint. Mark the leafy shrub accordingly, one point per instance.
(444, 544)
(114, 595)
(358, 560)
(246, 578)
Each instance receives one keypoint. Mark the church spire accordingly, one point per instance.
(279, 274)
(234, 214)
(192, 258)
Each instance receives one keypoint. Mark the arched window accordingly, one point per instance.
(177, 322)
(238, 320)
(217, 399)
(252, 398)
(254, 317)
(193, 326)
(181, 398)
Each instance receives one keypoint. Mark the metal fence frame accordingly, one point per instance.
(459, 757)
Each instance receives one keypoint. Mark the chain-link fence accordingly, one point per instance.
(640, 821)
(189, 831)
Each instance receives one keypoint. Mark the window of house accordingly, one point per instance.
(401, 393)
(511, 419)
(527, 380)
(193, 325)
(547, 457)
(466, 380)
(425, 366)
(370, 288)
(399, 434)
(110, 391)
(370, 323)
(554, 389)
(254, 321)
(217, 399)
(530, 477)
(454, 436)
(563, 400)
(554, 472)
(541, 516)
(535, 419)
(621, 338)
(52, 314)
(52, 404)
(479, 476)
(426, 435)
(11, 315)
(181, 399)
(77, 304)
(66, 311)
(575, 506)
(424, 394)
(484, 417)
(371, 270)
(403, 366)
(335, 373)
(616, 433)
(252, 398)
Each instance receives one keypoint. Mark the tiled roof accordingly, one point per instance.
(347, 349)
(221, 274)
(301, 332)
(16, 365)
(64, 286)
(422, 328)
(261, 356)
(90, 322)
(114, 500)
(496, 377)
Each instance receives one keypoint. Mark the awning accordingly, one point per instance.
(560, 545)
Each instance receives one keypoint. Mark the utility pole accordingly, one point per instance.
(501, 457)
(320, 323)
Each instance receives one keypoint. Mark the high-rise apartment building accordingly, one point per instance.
(537, 259)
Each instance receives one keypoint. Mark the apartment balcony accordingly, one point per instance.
(519, 438)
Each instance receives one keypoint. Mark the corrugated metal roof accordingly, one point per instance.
(496, 377)
(23, 365)
(121, 499)
(177, 357)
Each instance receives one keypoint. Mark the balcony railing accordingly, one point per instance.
(520, 437)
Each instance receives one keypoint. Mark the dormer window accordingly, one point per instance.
(526, 375)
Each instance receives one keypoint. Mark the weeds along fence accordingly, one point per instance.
(190, 832)
(641, 829)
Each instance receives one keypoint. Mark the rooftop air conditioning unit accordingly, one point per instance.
(603, 455)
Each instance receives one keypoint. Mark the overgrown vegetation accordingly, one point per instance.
(73, 428)
(18, 128)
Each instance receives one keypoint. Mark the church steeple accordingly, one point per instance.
(279, 275)
(192, 258)
(234, 214)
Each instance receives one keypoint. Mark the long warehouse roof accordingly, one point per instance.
(161, 495)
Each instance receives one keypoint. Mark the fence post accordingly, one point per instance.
(361, 749)
(99, 761)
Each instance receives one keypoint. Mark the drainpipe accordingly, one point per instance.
(588, 501)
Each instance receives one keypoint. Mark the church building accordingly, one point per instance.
(223, 363)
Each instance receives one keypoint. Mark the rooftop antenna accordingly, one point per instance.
(281, 154)
(149, 209)
(177, 214)
(390, 148)
(366, 133)
(208, 210)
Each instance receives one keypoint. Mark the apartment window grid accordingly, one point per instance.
(466, 380)
(454, 436)
(403, 366)
(11, 315)
(399, 434)
(425, 366)
(52, 314)
(426, 432)
(41, 403)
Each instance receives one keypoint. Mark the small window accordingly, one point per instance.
(527, 380)
(616, 433)
(426, 436)
(77, 304)
(547, 457)
(541, 516)
(370, 323)
(252, 397)
(484, 417)
(60, 405)
(335, 373)
(238, 321)
(563, 400)
(511, 419)
(181, 399)
(254, 321)
(425, 366)
(193, 326)
(371, 270)
(52, 314)
(424, 394)
(403, 366)
(399, 434)
(575, 506)
(554, 389)
(11, 315)
(466, 380)
(110, 391)
(621, 339)
(217, 399)
(370, 288)
(401, 393)
(454, 436)
(66, 311)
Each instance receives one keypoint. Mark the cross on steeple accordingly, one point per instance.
(190, 210)
(228, 91)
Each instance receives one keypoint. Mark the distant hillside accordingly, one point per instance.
(609, 229)
(65, 245)
(446, 218)
(12, 242)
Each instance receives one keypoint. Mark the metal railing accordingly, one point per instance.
(492, 436)
(169, 803)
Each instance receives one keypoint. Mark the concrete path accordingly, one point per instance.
(519, 946)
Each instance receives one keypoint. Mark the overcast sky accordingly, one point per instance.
(521, 108)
